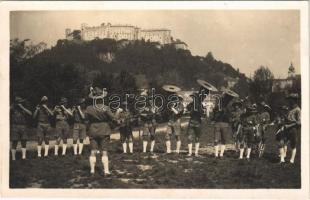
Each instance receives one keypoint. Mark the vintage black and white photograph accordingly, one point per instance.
(155, 99)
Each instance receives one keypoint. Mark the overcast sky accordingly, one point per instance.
(245, 39)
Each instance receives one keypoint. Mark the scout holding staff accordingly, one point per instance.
(175, 112)
(235, 121)
(99, 116)
(18, 119)
(42, 115)
(221, 119)
(289, 128)
(196, 113)
(62, 115)
(79, 126)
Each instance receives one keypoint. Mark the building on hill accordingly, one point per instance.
(122, 32)
(280, 85)
(180, 45)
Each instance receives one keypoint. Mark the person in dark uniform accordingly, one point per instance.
(221, 125)
(148, 117)
(18, 120)
(291, 128)
(79, 126)
(174, 111)
(99, 116)
(42, 115)
(125, 120)
(247, 136)
(235, 121)
(62, 115)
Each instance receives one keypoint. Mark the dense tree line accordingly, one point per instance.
(71, 67)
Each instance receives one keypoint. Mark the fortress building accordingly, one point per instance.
(120, 32)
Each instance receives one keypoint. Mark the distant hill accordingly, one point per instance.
(70, 67)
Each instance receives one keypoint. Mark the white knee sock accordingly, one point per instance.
(64, 148)
(222, 150)
(39, 147)
(144, 146)
(125, 147)
(216, 149)
(241, 153)
(130, 144)
(56, 149)
(13, 152)
(24, 153)
(75, 148)
(81, 148)
(168, 145)
(196, 148)
(282, 154)
(92, 163)
(248, 152)
(105, 161)
(190, 149)
(46, 150)
(152, 146)
(178, 146)
(293, 155)
(285, 151)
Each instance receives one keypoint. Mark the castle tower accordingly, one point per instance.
(291, 71)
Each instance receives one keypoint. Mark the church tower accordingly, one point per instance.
(291, 71)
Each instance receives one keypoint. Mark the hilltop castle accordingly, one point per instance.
(283, 84)
(120, 32)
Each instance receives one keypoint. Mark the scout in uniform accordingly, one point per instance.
(235, 121)
(196, 113)
(18, 119)
(62, 115)
(125, 120)
(221, 125)
(263, 120)
(175, 112)
(42, 115)
(247, 136)
(99, 116)
(79, 126)
(291, 128)
(148, 117)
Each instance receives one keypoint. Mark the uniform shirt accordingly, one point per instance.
(43, 115)
(263, 117)
(77, 118)
(125, 118)
(175, 116)
(235, 116)
(220, 115)
(60, 114)
(18, 116)
(98, 114)
(249, 119)
(294, 115)
(196, 111)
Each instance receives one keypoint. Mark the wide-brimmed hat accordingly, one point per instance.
(171, 88)
(207, 85)
(44, 98)
(63, 100)
(19, 100)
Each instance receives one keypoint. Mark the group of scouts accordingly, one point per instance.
(248, 121)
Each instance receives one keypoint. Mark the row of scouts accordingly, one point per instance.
(249, 123)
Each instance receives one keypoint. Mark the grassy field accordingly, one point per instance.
(161, 170)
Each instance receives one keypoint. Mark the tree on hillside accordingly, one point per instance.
(261, 84)
(209, 57)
